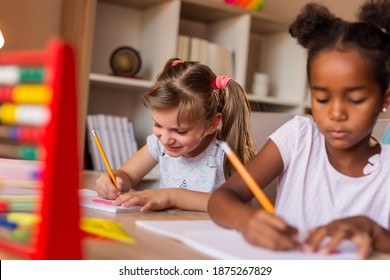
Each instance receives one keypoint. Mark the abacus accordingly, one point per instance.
(38, 115)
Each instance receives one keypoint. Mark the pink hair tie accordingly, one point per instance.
(221, 81)
(177, 61)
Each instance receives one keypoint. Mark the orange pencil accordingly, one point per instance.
(103, 154)
(253, 186)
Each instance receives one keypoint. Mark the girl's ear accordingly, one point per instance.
(386, 99)
(214, 123)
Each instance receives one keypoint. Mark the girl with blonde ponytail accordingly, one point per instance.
(192, 111)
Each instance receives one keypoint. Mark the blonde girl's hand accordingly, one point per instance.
(106, 188)
(358, 229)
(267, 230)
(158, 199)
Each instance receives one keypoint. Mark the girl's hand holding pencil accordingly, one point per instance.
(107, 185)
(103, 154)
(263, 228)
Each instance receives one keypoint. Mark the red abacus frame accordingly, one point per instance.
(58, 235)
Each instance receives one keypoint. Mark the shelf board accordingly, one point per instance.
(273, 101)
(109, 80)
(211, 11)
(139, 4)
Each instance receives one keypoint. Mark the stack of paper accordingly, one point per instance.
(90, 199)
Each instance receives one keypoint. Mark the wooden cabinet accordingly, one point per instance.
(259, 42)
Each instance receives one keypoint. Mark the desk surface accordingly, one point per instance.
(149, 245)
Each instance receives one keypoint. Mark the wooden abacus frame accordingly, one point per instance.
(58, 235)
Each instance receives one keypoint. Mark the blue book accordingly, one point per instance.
(386, 136)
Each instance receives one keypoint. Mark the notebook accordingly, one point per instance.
(90, 199)
(220, 243)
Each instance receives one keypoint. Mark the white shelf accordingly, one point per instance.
(119, 81)
(259, 42)
(212, 11)
(273, 100)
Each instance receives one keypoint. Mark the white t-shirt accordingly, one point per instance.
(202, 173)
(312, 192)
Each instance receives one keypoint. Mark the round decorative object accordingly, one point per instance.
(125, 62)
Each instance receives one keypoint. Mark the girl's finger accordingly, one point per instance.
(314, 239)
(135, 200)
(364, 242)
(334, 241)
(122, 198)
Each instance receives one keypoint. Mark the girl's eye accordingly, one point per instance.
(181, 132)
(156, 125)
(322, 100)
(356, 101)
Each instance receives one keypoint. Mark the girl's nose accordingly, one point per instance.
(337, 111)
(165, 138)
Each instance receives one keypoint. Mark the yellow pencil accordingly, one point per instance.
(253, 186)
(103, 154)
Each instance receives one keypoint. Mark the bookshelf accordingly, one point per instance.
(259, 42)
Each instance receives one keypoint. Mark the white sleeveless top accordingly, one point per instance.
(312, 192)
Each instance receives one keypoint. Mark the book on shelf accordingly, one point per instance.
(183, 47)
(114, 141)
(133, 142)
(218, 57)
(127, 137)
(199, 50)
(97, 161)
(386, 135)
(117, 136)
(104, 137)
(120, 131)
